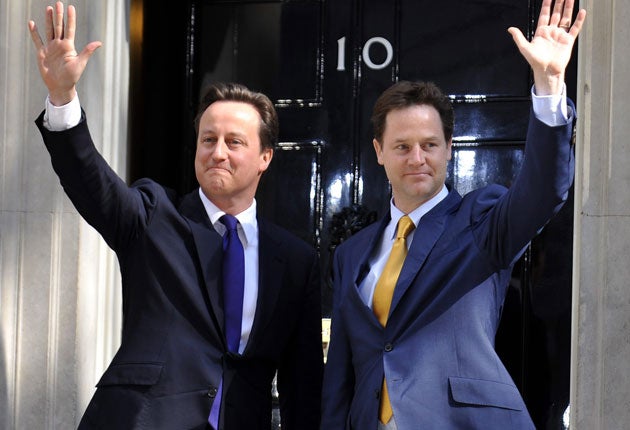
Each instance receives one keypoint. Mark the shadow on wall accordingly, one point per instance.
(6, 409)
(5, 418)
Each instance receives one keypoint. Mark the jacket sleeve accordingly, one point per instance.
(504, 227)
(103, 199)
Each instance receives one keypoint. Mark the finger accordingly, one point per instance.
(557, 12)
(50, 34)
(71, 24)
(577, 25)
(567, 15)
(37, 40)
(89, 50)
(86, 53)
(58, 20)
(545, 12)
(519, 39)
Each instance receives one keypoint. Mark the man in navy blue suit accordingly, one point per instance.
(190, 357)
(418, 296)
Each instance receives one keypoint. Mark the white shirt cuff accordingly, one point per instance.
(551, 110)
(59, 118)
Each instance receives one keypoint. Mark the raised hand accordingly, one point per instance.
(549, 51)
(59, 64)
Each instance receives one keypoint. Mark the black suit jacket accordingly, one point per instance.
(173, 353)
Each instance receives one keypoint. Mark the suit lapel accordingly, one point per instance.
(427, 233)
(362, 251)
(209, 249)
(271, 268)
(365, 248)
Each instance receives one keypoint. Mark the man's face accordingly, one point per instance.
(229, 160)
(415, 154)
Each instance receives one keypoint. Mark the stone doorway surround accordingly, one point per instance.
(59, 283)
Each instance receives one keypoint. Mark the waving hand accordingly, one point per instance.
(549, 51)
(59, 63)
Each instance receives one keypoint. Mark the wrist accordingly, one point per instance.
(546, 85)
(61, 98)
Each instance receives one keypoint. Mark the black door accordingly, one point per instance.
(324, 63)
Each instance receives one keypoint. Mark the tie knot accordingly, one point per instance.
(230, 222)
(405, 225)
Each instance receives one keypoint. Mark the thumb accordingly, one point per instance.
(89, 50)
(521, 43)
(518, 37)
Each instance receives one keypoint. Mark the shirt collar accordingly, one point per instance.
(415, 215)
(247, 219)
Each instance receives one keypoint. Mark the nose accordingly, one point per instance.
(417, 155)
(219, 151)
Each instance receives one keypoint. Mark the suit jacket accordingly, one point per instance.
(437, 349)
(173, 353)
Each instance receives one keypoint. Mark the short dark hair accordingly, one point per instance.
(405, 94)
(268, 131)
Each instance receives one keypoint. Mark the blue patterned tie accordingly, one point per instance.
(233, 287)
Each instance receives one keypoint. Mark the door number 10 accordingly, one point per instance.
(341, 53)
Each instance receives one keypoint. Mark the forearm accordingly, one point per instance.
(101, 197)
(537, 193)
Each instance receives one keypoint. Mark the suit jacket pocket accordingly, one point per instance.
(480, 392)
(131, 374)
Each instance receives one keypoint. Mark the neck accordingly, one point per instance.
(407, 207)
(232, 206)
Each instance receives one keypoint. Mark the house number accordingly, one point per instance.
(341, 53)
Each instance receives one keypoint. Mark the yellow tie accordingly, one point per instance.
(383, 293)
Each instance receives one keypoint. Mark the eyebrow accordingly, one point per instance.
(432, 138)
(240, 134)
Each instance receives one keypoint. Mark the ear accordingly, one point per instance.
(379, 151)
(449, 147)
(265, 159)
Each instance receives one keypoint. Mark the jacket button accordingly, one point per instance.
(388, 347)
(212, 392)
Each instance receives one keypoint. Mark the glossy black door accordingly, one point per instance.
(324, 63)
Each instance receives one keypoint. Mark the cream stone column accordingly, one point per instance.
(600, 385)
(59, 283)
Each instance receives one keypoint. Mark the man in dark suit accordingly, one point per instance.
(201, 342)
(418, 296)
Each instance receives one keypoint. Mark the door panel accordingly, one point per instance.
(464, 45)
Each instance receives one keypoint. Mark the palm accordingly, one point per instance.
(550, 49)
(59, 64)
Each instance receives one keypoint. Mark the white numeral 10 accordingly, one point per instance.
(341, 53)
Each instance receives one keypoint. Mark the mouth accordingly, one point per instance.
(418, 174)
(212, 169)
